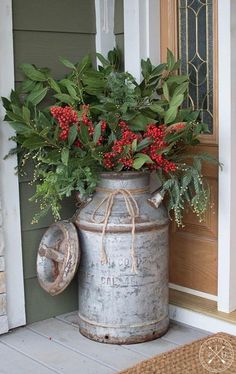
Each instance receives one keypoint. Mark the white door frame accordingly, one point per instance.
(9, 186)
(227, 155)
(142, 40)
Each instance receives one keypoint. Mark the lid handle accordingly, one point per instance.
(51, 254)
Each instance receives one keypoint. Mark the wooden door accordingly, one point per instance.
(189, 29)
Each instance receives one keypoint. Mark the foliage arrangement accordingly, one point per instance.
(102, 119)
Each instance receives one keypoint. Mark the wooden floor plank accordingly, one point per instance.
(54, 355)
(14, 362)
(71, 318)
(69, 336)
(180, 334)
(152, 348)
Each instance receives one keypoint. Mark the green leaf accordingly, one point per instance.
(102, 59)
(54, 85)
(170, 60)
(111, 107)
(181, 89)
(177, 100)
(140, 160)
(111, 138)
(178, 79)
(67, 63)
(65, 156)
(114, 58)
(84, 134)
(6, 103)
(157, 109)
(170, 115)
(84, 65)
(176, 65)
(193, 116)
(34, 142)
(14, 117)
(36, 97)
(143, 144)
(26, 113)
(64, 98)
(134, 145)
(17, 110)
(20, 128)
(31, 72)
(72, 134)
(70, 88)
(94, 82)
(27, 85)
(14, 97)
(140, 122)
(146, 68)
(166, 91)
(44, 121)
(158, 70)
(97, 133)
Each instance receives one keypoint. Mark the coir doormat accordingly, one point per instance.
(214, 354)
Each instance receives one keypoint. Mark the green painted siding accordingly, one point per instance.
(119, 25)
(43, 31)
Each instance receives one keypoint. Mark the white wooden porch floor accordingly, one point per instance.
(56, 346)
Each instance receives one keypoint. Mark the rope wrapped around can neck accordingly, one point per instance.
(133, 210)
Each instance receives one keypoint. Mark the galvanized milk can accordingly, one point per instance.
(123, 271)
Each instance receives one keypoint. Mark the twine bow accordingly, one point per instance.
(133, 210)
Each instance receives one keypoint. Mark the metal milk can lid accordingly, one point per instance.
(58, 257)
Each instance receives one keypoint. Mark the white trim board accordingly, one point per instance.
(191, 291)
(9, 185)
(200, 321)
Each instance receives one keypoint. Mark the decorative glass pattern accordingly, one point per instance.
(196, 52)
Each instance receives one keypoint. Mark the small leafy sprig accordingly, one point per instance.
(103, 119)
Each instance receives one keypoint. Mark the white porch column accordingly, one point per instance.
(141, 33)
(227, 155)
(12, 282)
(105, 38)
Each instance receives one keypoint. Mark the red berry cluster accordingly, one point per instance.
(103, 130)
(77, 144)
(123, 126)
(65, 116)
(127, 138)
(127, 162)
(157, 135)
(86, 120)
(115, 157)
(109, 160)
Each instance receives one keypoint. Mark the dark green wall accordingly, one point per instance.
(43, 31)
(119, 25)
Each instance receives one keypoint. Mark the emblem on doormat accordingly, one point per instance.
(216, 355)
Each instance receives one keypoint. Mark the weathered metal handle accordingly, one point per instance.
(156, 198)
(82, 200)
(51, 254)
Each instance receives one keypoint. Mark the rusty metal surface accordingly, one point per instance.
(112, 337)
(58, 257)
(115, 304)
